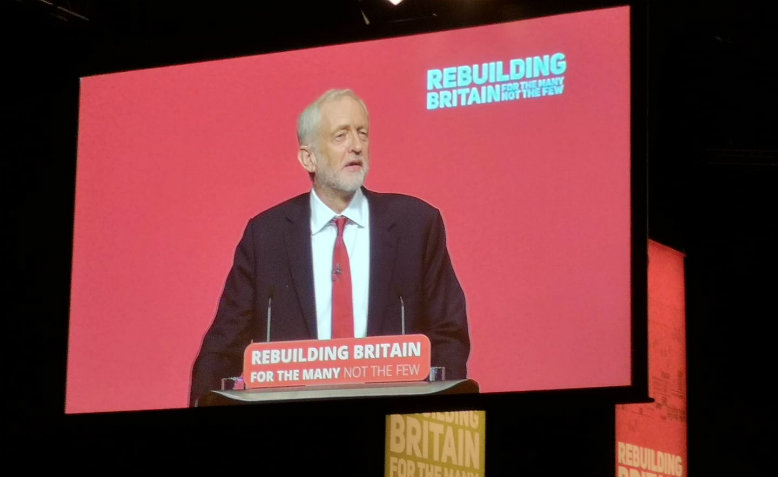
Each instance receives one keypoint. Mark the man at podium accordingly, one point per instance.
(338, 261)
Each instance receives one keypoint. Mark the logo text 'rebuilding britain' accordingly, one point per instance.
(496, 81)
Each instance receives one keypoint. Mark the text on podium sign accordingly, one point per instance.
(375, 359)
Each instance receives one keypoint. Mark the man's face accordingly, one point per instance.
(342, 158)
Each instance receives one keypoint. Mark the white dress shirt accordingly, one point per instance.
(356, 235)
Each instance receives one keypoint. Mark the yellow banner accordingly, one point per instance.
(436, 444)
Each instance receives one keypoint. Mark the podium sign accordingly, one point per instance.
(376, 359)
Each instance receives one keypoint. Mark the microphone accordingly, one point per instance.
(402, 314)
(269, 310)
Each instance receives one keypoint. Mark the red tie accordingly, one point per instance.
(342, 313)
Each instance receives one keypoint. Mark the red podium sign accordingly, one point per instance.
(375, 359)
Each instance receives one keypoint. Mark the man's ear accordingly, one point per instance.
(307, 159)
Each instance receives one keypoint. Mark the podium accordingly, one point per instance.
(338, 391)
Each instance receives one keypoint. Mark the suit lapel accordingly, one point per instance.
(298, 249)
(383, 253)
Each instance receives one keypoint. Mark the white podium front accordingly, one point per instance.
(307, 393)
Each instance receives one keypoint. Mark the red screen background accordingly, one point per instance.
(535, 196)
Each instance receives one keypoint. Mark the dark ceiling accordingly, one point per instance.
(712, 110)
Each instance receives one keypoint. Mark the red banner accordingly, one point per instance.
(651, 439)
(338, 361)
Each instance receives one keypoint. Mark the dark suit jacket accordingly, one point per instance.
(408, 259)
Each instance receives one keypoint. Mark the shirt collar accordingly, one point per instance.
(322, 215)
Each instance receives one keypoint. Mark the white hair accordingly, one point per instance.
(310, 119)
